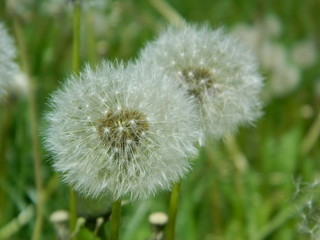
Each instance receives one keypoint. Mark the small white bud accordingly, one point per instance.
(60, 216)
(158, 218)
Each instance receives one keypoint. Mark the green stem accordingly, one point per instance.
(115, 220)
(239, 159)
(34, 129)
(76, 37)
(91, 40)
(72, 212)
(312, 136)
(75, 68)
(15, 225)
(173, 208)
(168, 12)
(4, 139)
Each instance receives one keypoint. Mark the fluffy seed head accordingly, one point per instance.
(121, 131)
(304, 53)
(215, 69)
(8, 67)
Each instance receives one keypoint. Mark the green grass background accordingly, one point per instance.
(220, 199)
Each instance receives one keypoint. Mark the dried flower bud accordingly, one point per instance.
(60, 220)
(60, 216)
(158, 219)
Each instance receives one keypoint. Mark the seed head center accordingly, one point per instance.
(198, 81)
(121, 129)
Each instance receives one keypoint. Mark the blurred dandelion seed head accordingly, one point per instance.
(215, 69)
(121, 131)
(272, 25)
(284, 75)
(285, 79)
(8, 68)
(304, 53)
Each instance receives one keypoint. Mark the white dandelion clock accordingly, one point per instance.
(215, 69)
(304, 53)
(121, 131)
(8, 68)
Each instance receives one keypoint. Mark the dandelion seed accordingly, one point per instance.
(144, 133)
(273, 56)
(222, 76)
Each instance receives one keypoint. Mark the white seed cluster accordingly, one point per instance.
(129, 130)
(124, 129)
(8, 67)
(121, 131)
(215, 69)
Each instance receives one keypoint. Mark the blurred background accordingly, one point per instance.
(262, 183)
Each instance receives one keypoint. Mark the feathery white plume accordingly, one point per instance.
(121, 131)
(215, 69)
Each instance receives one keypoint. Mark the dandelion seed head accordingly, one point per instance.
(8, 67)
(215, 69)
(136, 142)
(304, 53)
(272, 25)
(285, 78)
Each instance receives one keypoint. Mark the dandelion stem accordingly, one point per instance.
(311, 138)
(75, 68)
(4, 138)
(72, 211)
(239, 159)
(98, 232)
(115, 220)
(15, 225)
(34, 129)
(91, 46)
(76, 36)
(167, 11)
(173, 207)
